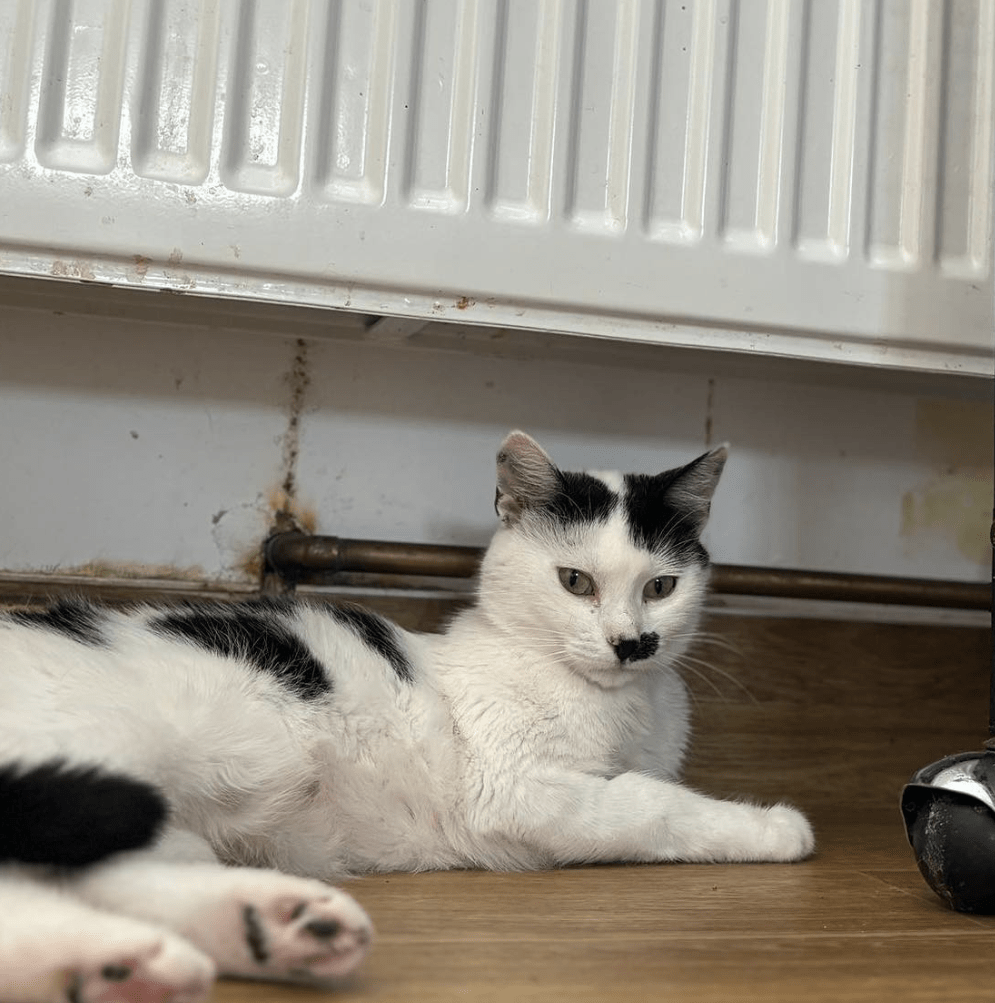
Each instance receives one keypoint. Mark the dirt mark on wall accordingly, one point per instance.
(709, 410)
(288, 512)
(955, 504)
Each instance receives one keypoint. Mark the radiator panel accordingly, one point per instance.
(801, 177)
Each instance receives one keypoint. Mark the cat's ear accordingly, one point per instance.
(691, 487)
(526, 477)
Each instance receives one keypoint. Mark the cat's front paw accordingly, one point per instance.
(785, 835)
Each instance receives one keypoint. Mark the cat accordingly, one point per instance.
(177, 783)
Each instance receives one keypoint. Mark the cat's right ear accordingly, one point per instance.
(526, 477)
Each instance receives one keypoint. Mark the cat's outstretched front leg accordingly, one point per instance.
(577, 818)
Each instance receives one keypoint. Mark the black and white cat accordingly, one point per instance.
(142, 751)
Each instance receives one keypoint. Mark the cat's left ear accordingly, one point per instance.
(526, 477)
(691, 487)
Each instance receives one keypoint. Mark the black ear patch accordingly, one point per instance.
(251, 632)
(377, 634)
(580, 498)
(669, 510)
(72, 618)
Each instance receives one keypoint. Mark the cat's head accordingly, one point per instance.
(603, 572)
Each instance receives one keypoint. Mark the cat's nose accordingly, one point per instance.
(626, 648)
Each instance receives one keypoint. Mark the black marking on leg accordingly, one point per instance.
(72, 618)
(115, 973)
(72, 816)
(251, 632)
(323, 929)
(255, 936)
(378, 635)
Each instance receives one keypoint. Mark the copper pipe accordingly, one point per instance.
(298, 557)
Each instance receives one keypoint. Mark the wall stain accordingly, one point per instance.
(131, 570)
(141, 263)
(709, 404)
(955, 504)
(287, 511)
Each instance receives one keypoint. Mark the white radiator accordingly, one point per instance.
(801, 177)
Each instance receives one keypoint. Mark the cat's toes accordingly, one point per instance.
(269, 925)
(787, 834)
(167, 971)
(320, 935)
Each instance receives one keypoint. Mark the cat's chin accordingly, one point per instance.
(610, 675)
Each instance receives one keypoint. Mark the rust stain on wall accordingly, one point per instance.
(288, 512)
(293, 513)
(955, 504)
(298, 379)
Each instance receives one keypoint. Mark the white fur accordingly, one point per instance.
(521, 743)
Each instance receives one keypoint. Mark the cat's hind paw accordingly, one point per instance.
(142, 968)
(314, 938)
(168, 972)
(287, 929)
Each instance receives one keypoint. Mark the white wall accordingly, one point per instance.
(161, 447)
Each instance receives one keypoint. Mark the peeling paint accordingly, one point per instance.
(73, 270)
(237, 532)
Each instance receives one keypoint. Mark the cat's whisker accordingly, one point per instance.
(680, 665)
(685, 658)
(707, 637)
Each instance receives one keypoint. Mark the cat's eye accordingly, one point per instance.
(659, 588)
(576, 582)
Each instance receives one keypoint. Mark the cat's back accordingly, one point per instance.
(178, 676)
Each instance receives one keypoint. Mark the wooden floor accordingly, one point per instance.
(837, 717)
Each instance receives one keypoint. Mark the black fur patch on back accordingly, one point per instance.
(378, 635)
(580, 498)
(71, 816)
(251, 632)
(73, 618)
(655, 524)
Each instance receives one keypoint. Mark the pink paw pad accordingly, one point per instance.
(317, 938)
